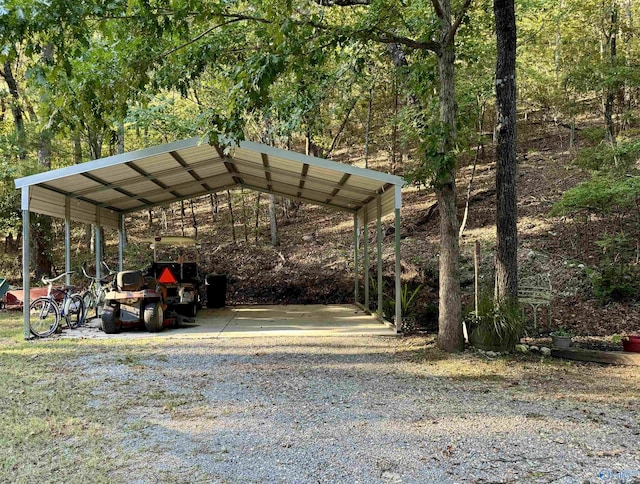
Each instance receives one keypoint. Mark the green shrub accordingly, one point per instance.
(595, 134)
(496, 327)
(606, 157)
(616, 278)
(408, 300)
(615, 283)
(601, 194)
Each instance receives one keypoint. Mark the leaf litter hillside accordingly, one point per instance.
(314, 263)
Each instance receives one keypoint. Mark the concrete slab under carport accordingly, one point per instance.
(258, 321)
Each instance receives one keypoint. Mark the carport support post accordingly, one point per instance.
(365, 234)
(120, 241)
(356, 291)
(398, 203)
(67, 240)
(98, 244)
(25, 261)
(379, 243)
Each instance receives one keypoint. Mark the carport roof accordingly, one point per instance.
(100, 191)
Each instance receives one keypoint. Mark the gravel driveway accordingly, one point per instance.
(368, 409)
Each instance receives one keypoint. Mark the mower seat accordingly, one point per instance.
(130, 281)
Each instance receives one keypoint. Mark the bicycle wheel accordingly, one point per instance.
(89, 302)
(44, 317)
(75, 313)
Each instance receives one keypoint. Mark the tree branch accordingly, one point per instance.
(437, 8)
(388, 38)
(198, 37)
(342, 3)
(456, 24)
(334, 142)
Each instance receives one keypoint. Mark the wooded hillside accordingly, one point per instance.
(402, 87)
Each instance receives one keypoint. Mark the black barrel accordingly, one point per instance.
(216, 290)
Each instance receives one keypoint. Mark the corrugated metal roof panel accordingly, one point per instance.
(189, 168)
(73, 183)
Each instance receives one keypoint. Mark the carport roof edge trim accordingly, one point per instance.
(198, 141)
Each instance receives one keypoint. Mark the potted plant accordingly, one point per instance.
(561, 338)
(495, 327)
(631, 343)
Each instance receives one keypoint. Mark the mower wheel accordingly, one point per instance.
(153, 317)
(110, 322)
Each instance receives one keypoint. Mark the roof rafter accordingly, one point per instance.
(150, 177)
(188, 169)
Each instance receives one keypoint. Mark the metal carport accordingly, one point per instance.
(102, 192)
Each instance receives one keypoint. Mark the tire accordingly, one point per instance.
(110, 320)
(89, 303)
(44, 317)
(193, 309)
(76, 312)
(153, 317)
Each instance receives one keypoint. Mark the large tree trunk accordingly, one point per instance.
(506, 284)
(450, 337)
(610, 90)
(16, 108)
(367, 129)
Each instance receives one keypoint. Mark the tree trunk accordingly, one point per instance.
(213, 199)
(44, 148)
(41, 234)
(394, 129)
(257, 227)
(194, 219)
(275, 240)
(16, 108)
(245, 215)
(610, 90)
(506, 284)
(367, 131)
(120, 137)
(77, 148)
(94, 140)
(450, 336)
(627, 47)
(233, 222)
(182, 216)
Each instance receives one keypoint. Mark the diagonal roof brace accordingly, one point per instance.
(116, 188)
(189, 170)
(267, 171)
(303, 176)
(341, 183)
(135, 167)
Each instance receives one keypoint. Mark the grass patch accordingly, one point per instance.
(48, 430)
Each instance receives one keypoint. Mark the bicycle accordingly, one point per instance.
(94, 296)
(46, 312)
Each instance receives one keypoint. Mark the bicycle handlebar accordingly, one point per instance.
(48, 281)
(111, 273)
